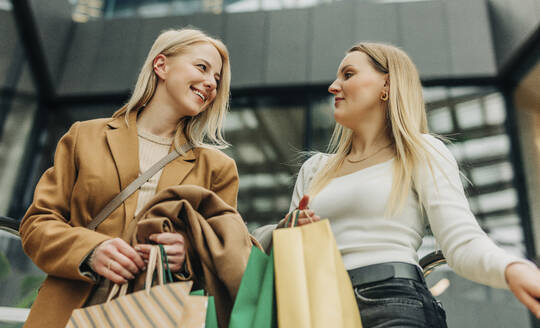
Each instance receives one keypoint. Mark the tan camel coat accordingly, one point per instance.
(217, 241)
(93, 162)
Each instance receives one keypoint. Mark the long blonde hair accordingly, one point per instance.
(207, 124)
(406, 120)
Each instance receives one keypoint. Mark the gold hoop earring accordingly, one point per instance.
(384, 96)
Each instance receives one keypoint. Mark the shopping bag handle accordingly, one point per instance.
(157, 258)
(293, 218)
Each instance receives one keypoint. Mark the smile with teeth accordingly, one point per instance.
(200, 94)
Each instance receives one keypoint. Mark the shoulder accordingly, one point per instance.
(439, 160)
(98, 123)
(313, 164)
(437, 148)
(89, 129)
(214, 156)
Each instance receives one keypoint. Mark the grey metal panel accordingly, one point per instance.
(210, 23)
(333, 34)
(8, 42)
(426, 42)
(377, 22)
(26, 82)
(245, 36)
(471, 44)
(54, 25)
(287, 47)
(80, 59)
(150, 30)
(115, 63)
(513, 21)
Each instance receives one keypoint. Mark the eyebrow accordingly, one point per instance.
(209, 65)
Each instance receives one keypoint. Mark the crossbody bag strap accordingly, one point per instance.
(136, 184)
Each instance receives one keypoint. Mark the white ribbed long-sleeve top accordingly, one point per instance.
(355, 205)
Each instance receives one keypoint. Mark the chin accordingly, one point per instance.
(338, 118)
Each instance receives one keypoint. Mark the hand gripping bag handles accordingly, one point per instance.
(313, 288)
(161, 306)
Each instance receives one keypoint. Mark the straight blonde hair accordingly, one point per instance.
(207, 124)
(406, 120)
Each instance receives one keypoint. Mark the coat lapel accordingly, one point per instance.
(124, 146)
(176, 171)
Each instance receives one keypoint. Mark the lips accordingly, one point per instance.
(199, 93)
(337, 100)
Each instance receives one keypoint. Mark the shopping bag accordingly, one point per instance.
(313, 288)
(254, 305)
(163, 305)
(211, 315)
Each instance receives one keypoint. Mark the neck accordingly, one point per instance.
(369, 136)
(159, 118)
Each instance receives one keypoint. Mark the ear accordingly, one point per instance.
(160, 66)
(387, 83)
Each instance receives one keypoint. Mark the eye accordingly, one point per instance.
(202, 66)
(347, 75)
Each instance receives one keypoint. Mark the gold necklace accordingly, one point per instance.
(369, 156)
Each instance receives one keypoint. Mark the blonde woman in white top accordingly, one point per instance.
(384, 180)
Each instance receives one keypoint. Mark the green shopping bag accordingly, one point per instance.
(255, 302)
(211, 316)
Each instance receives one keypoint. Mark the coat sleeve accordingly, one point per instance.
(48, 238)
(226, 183)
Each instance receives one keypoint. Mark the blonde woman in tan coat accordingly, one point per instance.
(181, 95)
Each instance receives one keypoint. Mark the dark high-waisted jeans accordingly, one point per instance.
(398, 303)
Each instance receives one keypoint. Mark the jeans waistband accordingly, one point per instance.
(384, 271)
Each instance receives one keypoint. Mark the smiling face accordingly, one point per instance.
(357, 90)
(190, 79)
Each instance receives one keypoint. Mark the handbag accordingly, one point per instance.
(163, 305)
(254, 305)
(313, 288)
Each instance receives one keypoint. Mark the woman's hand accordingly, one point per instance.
(524, 282)
(172, 242)
(305, 217)
(116, 260)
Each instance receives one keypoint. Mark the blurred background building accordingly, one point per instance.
(63, 61)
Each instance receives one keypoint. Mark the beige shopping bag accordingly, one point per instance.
(313, 288)
(163, 305)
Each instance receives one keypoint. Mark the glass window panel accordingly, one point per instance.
(239, 6)
(500, 200)
(457, 150)
(233, 122)
(496, 113)
(249, 118)
(440, 120)
(435, 94)
(154, 10)
(263, 204)
(5, 5)
(487, 147)
(469, 114)
(492, 174)
(186, 7)
(250, 154)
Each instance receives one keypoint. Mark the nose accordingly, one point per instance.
(210, 83)
(334, 88)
